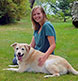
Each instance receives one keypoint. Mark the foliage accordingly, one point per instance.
(63, 5)
(61, 8)
(53, 1)
(70, 1)
(11, 10)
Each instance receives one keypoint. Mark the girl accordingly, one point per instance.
(44, 36)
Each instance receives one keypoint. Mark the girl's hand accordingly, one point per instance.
(42, 60)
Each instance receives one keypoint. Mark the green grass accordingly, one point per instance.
(66, 46)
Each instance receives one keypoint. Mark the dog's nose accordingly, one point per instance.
(19, 53)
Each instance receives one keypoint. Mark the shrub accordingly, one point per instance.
(13, 10)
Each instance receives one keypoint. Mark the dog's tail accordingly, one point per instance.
(72, 70)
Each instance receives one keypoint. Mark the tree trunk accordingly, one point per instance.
(64, 19)
(31, 3)
(74, 13)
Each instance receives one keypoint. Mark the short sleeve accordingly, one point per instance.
(49, 31)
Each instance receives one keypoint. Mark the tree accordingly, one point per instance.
(64, 7)
(12, 10)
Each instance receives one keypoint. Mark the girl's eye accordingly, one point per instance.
(16, 48)
(34, 14)
(22, 48)
(38, 13)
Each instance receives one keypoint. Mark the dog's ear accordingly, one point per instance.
(27, 47)
(14, 44)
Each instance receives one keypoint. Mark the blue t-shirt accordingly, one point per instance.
(41, 40)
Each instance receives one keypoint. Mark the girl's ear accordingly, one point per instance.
(14, 44)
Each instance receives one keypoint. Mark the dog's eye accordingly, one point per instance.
(22, 48)
(16, 48)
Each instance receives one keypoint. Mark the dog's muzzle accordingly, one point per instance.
(20, 56)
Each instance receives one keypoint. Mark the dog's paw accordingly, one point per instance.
(13, 65)
(46, 76)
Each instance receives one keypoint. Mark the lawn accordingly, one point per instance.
(66, 46)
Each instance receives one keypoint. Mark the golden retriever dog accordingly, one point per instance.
(28, 57)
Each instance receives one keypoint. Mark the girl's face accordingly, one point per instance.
(38, 16)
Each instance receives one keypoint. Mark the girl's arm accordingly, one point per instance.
(32, 44)
(52, 45)
(43, 58)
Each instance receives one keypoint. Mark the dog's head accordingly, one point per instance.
(21, 50)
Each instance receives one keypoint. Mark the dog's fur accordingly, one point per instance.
(27, 58)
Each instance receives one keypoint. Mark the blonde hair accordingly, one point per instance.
(35, 24)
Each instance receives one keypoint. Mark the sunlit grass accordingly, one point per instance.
(66, 46)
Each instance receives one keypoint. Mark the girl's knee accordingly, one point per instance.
(15, 61)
